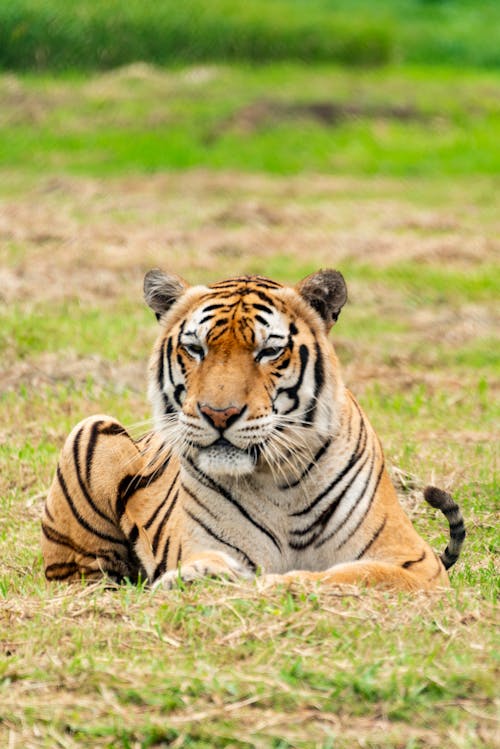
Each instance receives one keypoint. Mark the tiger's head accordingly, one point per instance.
(242, 375)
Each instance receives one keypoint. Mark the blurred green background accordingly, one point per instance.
(401, 87)
(89, 35)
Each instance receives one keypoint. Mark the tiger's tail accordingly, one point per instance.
(441, 500)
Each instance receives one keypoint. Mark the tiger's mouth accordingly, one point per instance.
(223, 458)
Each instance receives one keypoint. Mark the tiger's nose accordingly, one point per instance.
(220, 418)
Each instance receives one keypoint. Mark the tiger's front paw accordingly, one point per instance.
(209, 564)
(287, 579)
(272, 580)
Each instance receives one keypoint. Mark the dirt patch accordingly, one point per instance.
(265, 113)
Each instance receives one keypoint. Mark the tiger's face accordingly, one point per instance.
(242, 376)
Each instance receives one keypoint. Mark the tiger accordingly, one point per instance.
(260, 464)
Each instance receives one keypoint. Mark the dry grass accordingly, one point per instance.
(93, 238)
(231, 665)
(225, 660)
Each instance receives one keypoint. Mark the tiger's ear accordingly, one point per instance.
(162, 290)
(326, 292)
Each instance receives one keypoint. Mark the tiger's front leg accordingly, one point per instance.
(209, 563)
(369, 573)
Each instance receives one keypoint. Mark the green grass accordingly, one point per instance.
(52, 329)
(84, 215)
(282, 119)
(218, 665)
(428, 282)
(92, 35)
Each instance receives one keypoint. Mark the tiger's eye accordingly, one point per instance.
(193, 350)
(270, 353)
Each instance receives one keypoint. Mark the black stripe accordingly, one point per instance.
(265, 297)
(349, 423)
(356, 455)
(81, 520)
(245, 327)
(158, 453)
(131, 484)
(163, 523)
(284, 364)
(151, 520)
(230, 283)
(161, 366)
(229, 295)
(168, 356)
(448, 558)
(211, 484)
(198, 501)
(359, 497)
(212, 307)
(324, 518)
(114, 428)
(181, 364)
(48, 513)
(262, 320)
(319, 381)
(179, 389)
(351, 534)
(214, 535)
(292, 392)
(161, 568)
(262, 308)
(411, 562)
(311, 465)
(91, 445)
(266, 283)
(221, 321)
(117, 565)
(59, 538)
(214, 338)
(257, 280)
(83, 488)
(63, 570)
(373, 539)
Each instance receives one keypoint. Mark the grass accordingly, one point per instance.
(219, 664)
(282, 119)
(227, 665)
(200, 699)
(56, 35)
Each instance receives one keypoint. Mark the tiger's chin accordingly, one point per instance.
(224, 459)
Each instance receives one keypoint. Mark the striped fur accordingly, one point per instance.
(260, 458)
(442, 501)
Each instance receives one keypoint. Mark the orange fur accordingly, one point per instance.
(260, 458)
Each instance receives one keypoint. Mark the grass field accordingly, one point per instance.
(282, 119)
(86, 207)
